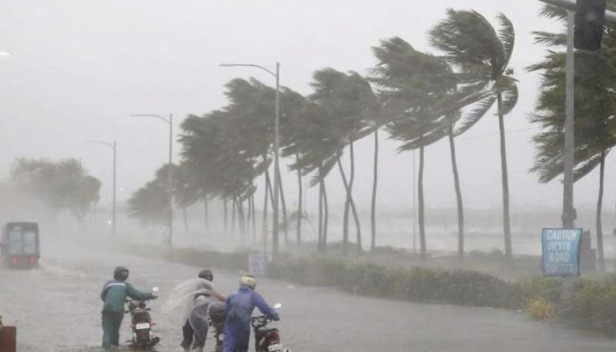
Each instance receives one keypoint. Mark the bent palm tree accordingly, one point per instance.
(482, 54)
(421, 101)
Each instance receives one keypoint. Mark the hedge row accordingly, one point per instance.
(466, 288)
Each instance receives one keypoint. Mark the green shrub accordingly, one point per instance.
(594, 305)
(540, 308)
(416, 284)
(522, 290)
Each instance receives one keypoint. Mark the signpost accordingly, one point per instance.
(257, 263)
(561, 252)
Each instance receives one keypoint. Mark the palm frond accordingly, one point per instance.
(475, 115)
(506, 34)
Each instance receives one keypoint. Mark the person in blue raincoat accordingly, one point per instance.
(114, 295)
(239, 311)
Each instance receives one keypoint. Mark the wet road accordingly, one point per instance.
(57, 309)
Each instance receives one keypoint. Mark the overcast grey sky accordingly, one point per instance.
(80, 67)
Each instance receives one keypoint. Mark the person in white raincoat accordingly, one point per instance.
(191, 300)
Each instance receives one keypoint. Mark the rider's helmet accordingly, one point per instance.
(249, 281)
(206, 275)
(120, 273)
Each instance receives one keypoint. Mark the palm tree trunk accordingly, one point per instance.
(321, 223)
(284, 208)
(207, 216)
(233, 219)
(351, 205)
(351, 183)
(599, 211)
(265, 205)
(345, 226)
(226, 216)
(420, 195)
(357, 226)
(246, 219)
(299, 204)
(254, 217)
(326, 220)
(374, 189)
(241, 217)
(505, 177)
(185, 214)
(460, 203)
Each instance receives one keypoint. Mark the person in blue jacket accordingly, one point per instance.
(239, 311)
(114, 295)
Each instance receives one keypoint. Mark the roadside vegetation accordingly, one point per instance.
(591, 309)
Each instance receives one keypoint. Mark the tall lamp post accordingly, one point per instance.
(169, 121)
(276, 74)
(113, 147)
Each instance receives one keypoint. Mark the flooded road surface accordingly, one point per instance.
(57, 309)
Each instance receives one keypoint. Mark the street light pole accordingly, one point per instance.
(569, 162)
(276, 74)
(569, 157)
(169, 121)
(115, 179)
(170, 180)
(275, 242)
(113, 146)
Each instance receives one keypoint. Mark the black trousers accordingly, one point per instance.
(188, 333)
(195, 333)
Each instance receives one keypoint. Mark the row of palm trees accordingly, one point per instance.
(417, 98)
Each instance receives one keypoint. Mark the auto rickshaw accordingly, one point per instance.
(19, 245)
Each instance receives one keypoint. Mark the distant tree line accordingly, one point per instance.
(54, 187)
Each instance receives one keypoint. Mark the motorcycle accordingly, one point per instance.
(218, 315)
(141, 326)
(267, 339)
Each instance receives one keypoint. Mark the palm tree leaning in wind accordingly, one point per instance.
(482, 54)
(317, 149)
(421, 100)
(410, 92)
(292, 128)
(347, 99)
